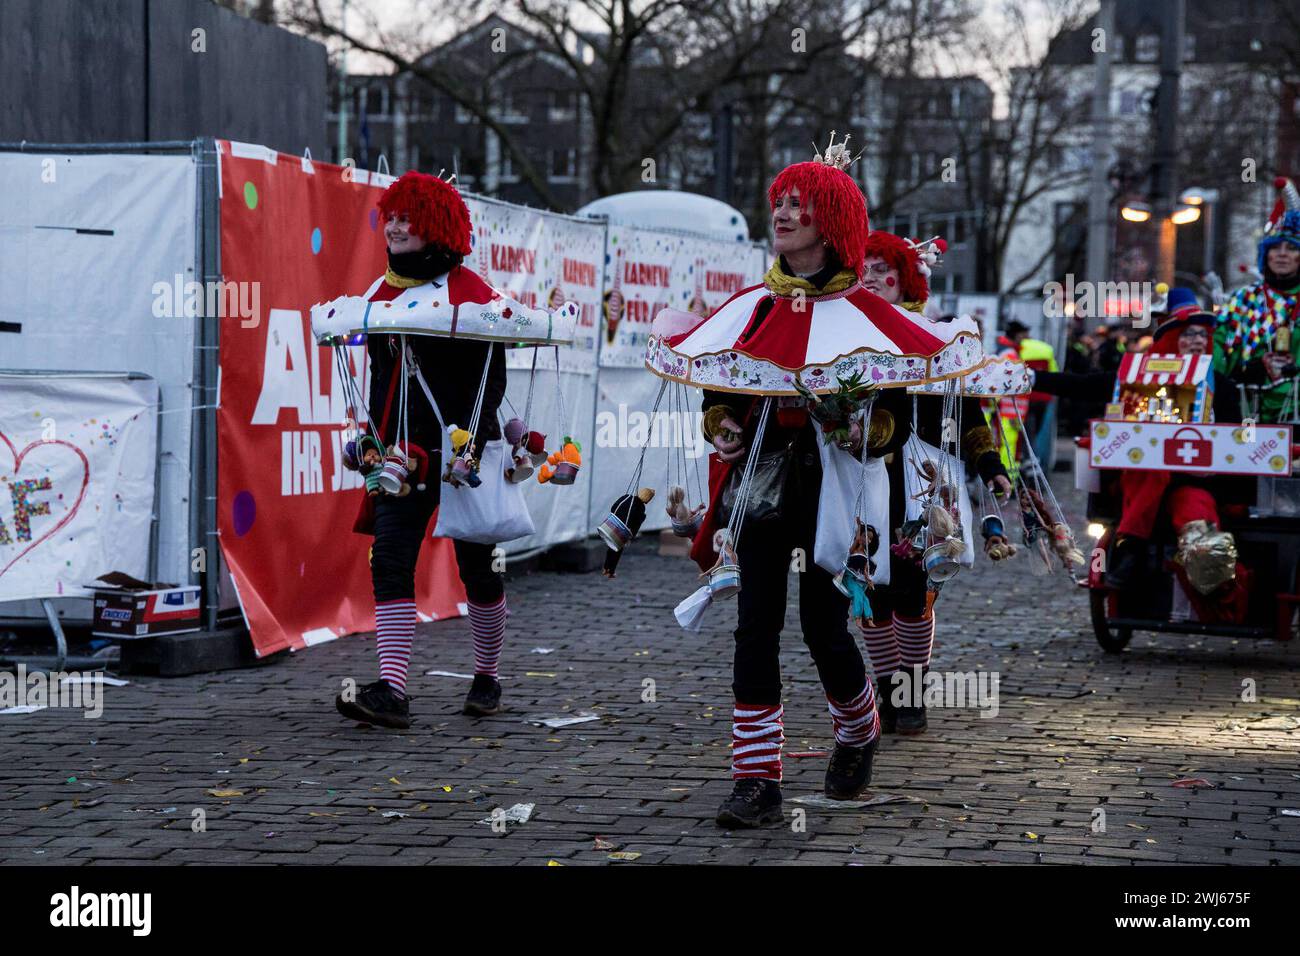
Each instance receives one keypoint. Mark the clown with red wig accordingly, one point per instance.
(900, 636)
(819, 219)
(427, 232)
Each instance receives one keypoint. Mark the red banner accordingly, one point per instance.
(294, 233)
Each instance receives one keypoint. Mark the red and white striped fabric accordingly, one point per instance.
(487, 622)
(1157, 369)
(819, 339)
(394, 631)
(856, 722)
(882, 649)
(757, 735)
(915, 639)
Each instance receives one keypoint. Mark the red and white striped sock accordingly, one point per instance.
(394, 628)
(488, 623)
(915, 639)
(856, 723)
(757, 734)
(882, 648)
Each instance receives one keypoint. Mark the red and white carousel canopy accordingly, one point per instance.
(819, 339)
(997, 377)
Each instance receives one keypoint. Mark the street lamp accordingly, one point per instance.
(1184, 214)
(1206, 199)
(1135, 211)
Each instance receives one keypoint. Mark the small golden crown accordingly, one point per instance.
(837, 154)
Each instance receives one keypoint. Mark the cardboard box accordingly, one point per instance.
(129, 609)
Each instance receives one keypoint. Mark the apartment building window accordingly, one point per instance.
(507, 167)
(464, 116)
(510, 112)
(563, 165)
(1148, 48)
(563, 106)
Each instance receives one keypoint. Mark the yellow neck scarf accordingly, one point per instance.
(785, 285)
(401, 282)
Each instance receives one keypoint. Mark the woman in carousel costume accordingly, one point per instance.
(799, 374)
(1256, 342)
(427, 230)
(900, 636)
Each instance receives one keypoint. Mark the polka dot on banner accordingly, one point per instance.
(374, 219)
(250, 195)
(315, 241)
(244, 513)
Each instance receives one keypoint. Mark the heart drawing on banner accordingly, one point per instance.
(18, 457)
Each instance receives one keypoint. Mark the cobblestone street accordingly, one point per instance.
(281, 778)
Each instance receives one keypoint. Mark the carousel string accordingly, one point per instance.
(640, 462)
(352, 392)
(736, 520)
(478, 401)
(532, 381)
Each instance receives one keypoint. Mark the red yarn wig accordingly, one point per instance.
(837, 204)
(437, 213)
(904, 259)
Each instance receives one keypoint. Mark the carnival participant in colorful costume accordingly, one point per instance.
(1256, 342)
(900, 636)
(802, 379)
(1186, 501)
(408, 320)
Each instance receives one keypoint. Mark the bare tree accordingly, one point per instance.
(1044, 115)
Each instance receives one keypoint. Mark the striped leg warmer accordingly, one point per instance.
(394, 628)
(488, 623)
(856, 722)
(915, 639)
(757, 734)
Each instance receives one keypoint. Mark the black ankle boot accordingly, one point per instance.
(911, 720)
(378, 704)
(753, 803)
(885, 705)
(849, 771)
(484, 698)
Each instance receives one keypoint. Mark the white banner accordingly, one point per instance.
(1220, 448)
(543, 260)
(96, 253)
(77, 461)
(652, 270)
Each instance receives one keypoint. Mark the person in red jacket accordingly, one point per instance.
(427, 231)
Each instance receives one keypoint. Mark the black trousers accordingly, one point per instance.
(765, 552)
(401, 525)
(905, 593)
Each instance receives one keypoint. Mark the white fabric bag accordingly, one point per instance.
(914, 453)
(489, 514)
(842, 477)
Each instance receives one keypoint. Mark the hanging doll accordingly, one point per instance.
(621, 525)
(561, 467)
(855, 580)
(1049, 537)
(685, 521)
(463, 467)
(520, 465)
(996, 544)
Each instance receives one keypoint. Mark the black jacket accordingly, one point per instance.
(453, 369)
